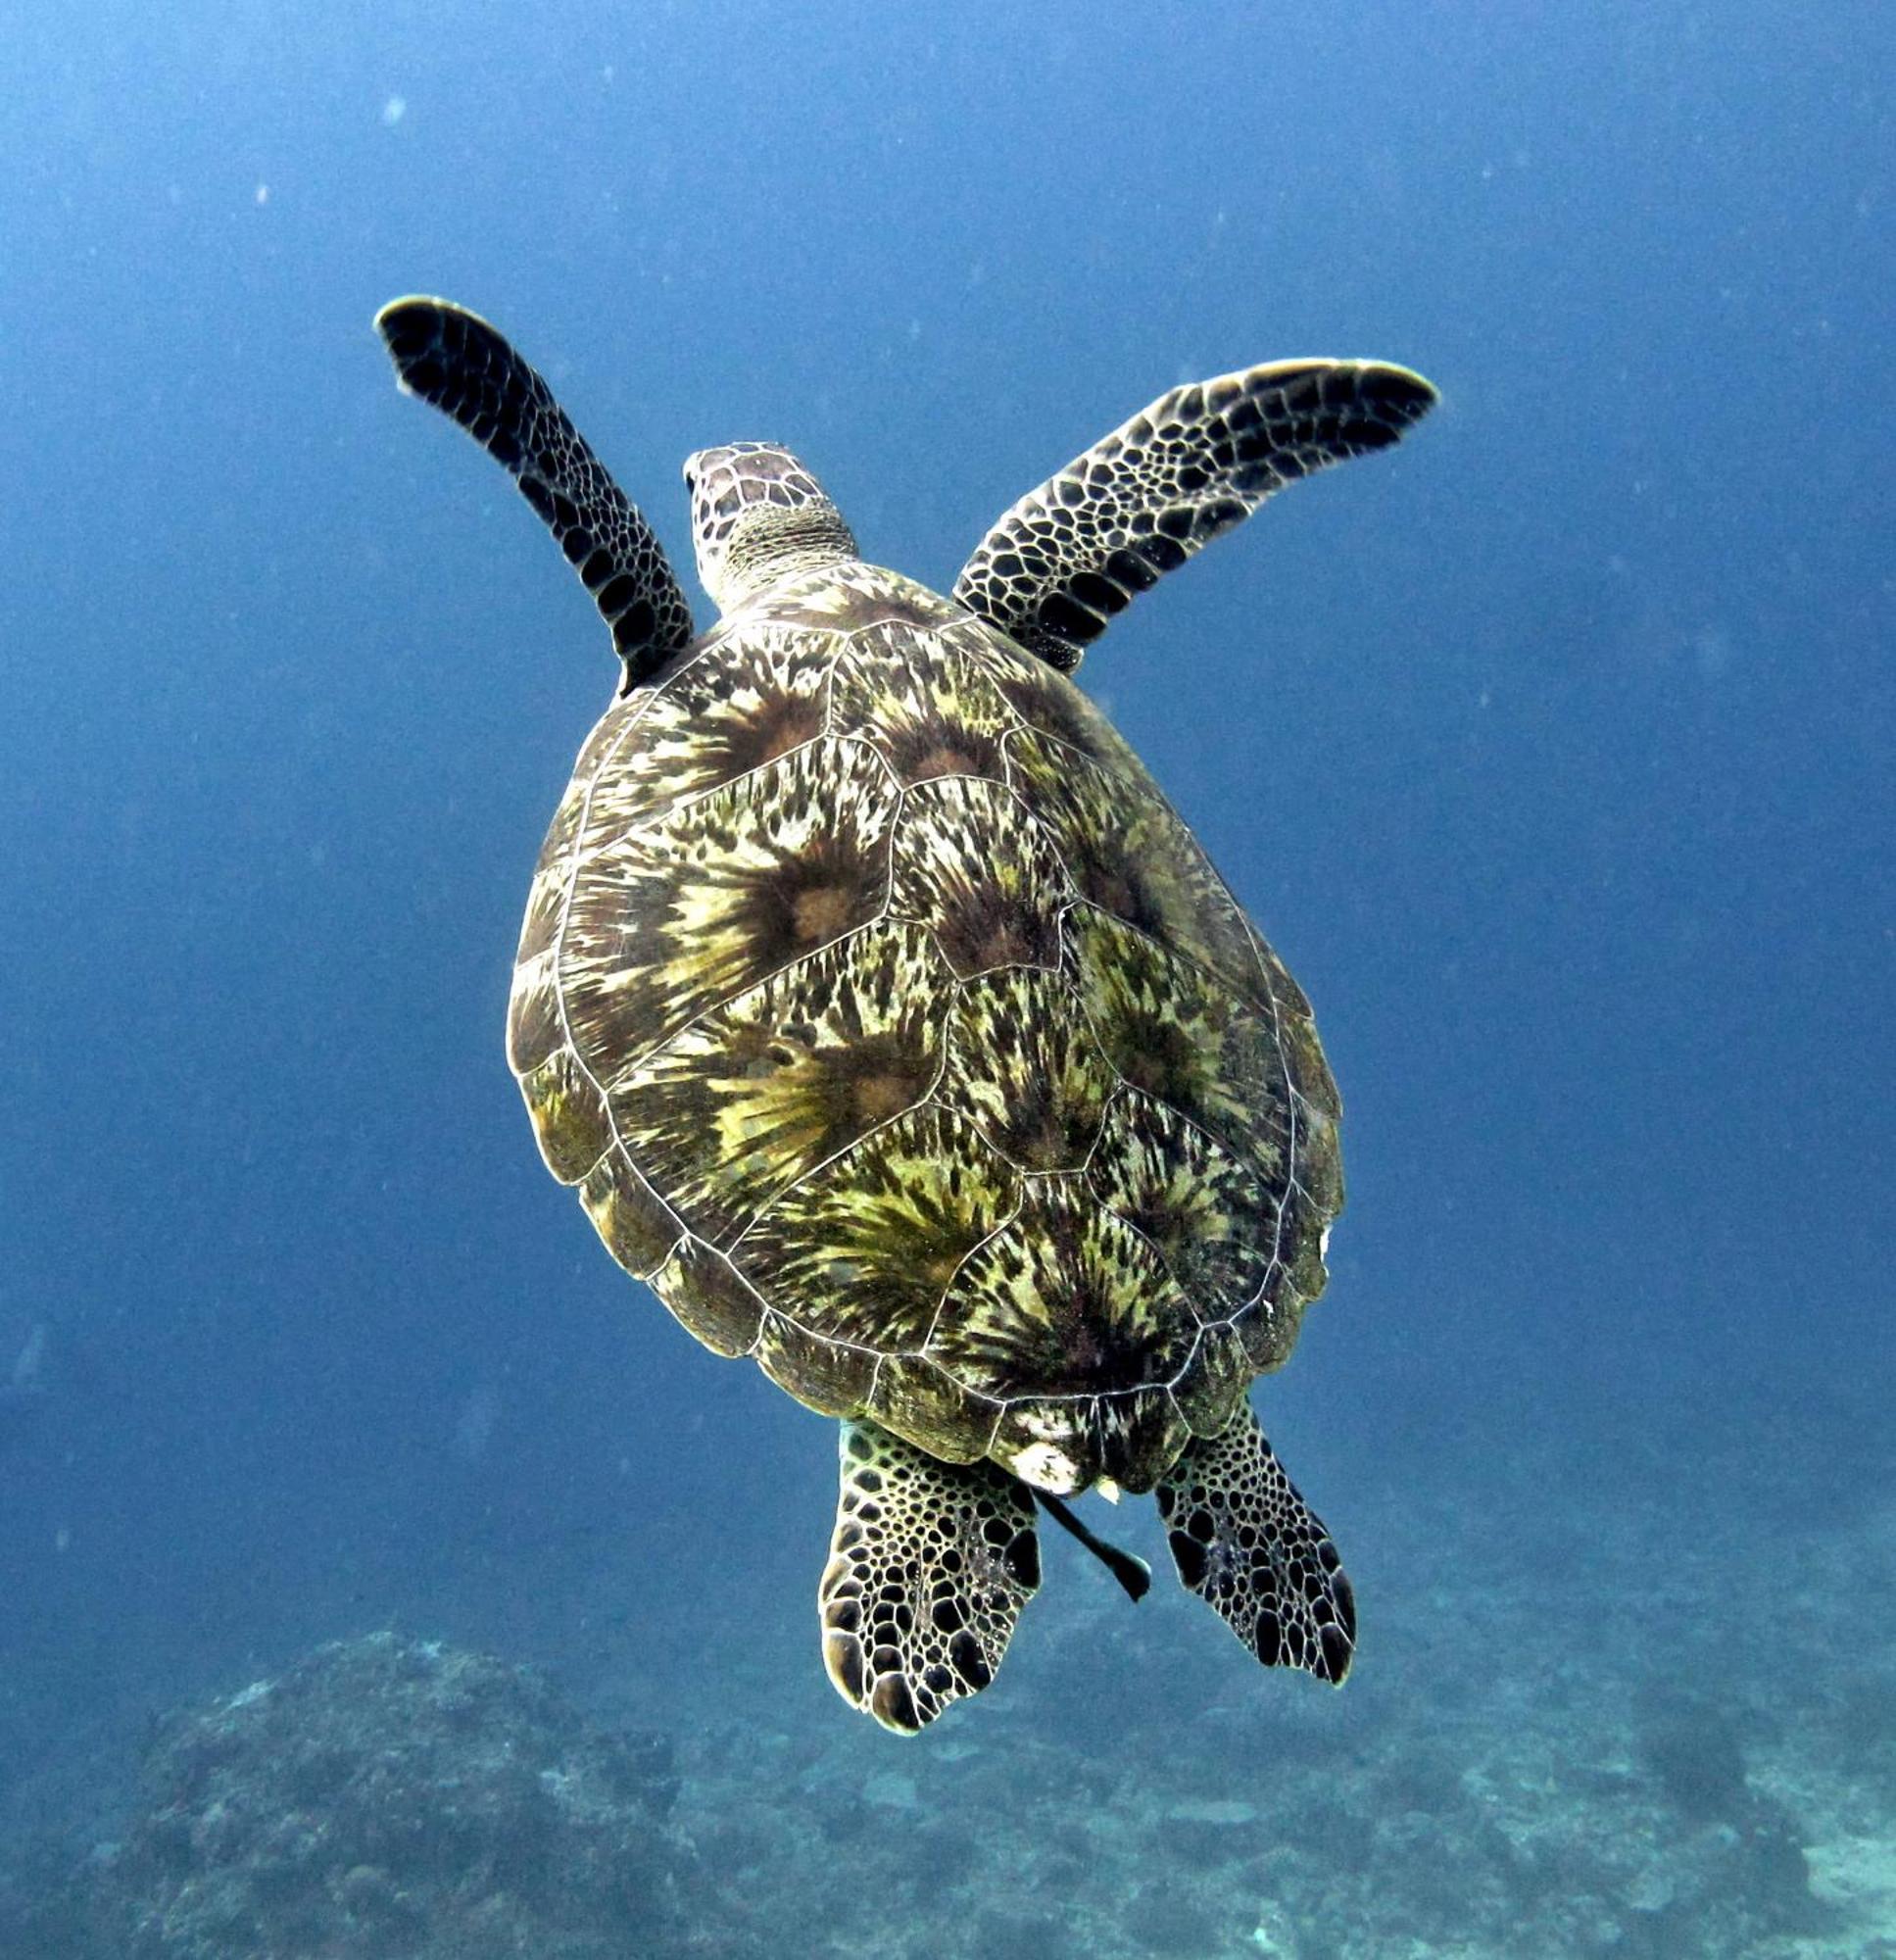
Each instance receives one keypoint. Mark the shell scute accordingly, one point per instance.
(927, 1406)
(1066, 1299)
(1207, 1394)
(673, 918)
(569, 1115)
(710, 1297)
(734, 704)
(1028, 1068)
(755, 1093)
(867, 1246)
(1205, 1214)
(943, 716)
(1134, 858)
(823, 1374)
(971, 866)
(1181, 1036)
(636, 1225)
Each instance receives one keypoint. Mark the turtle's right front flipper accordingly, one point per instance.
(1056, 568)
(929, 1568)
(452, 359)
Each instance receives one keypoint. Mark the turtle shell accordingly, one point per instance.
(900, 1034)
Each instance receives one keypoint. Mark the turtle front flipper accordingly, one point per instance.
(454, 359)
(1256, 1554)
(930, 1565)
(1140, 501)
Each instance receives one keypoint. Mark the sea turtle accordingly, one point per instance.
(898, 1034)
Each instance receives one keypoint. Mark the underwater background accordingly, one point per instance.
(1553, 751)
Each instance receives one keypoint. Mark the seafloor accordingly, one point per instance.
(1611, 1706)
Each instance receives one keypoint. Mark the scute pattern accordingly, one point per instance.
(1207, 1215)
(722, 717)
(1132, 858)
(637, 1227)
(868, 1244)
(758, 1093)
(903, 1034)
(974, 868)
(1028, 1070)
(943, 717)
(1174, 1032)
(1066, 1302)
(672, 917)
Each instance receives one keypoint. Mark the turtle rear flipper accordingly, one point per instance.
(1245, 1540)
(456, 362)
(1069, 556)
(930, 1565)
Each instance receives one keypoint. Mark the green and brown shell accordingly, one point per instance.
(894, 1028)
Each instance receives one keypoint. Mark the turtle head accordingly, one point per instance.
(759, 516)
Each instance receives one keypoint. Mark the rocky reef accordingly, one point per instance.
(394, 1800)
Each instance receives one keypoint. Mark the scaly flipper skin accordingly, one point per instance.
(1255, 1552)
(1140, 501)
(929, 1568)
(454, 361)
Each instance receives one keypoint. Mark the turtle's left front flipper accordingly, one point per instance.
(1140, 501)
(1245, 1540)
(929, 1568)
(454, 359)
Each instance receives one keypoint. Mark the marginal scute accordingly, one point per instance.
(1269, 1328)
(536, 1023)
(823, 1374)
(1140, 1434)
(547, 897)
(568, 1115)
(1053, 1444)
(927, 1406)
(1304, 1217)
(1214, 1381)
(1320, 1163)
(710, 1297)
(638, 1228)
(1304, 1060)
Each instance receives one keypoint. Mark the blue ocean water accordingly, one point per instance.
(1552, 751)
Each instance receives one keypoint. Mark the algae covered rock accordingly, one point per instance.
(408, 1802)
